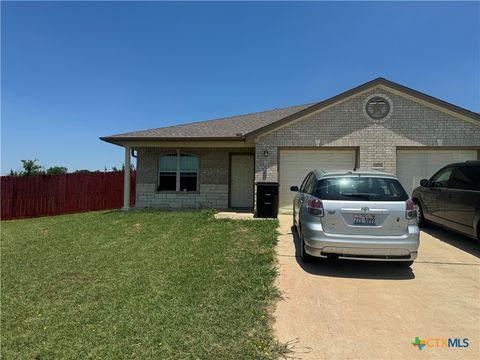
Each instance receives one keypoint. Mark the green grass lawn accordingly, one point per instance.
(137, 285)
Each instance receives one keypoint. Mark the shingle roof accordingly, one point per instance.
(248, 126)
(228, 127)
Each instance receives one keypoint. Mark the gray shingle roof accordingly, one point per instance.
(229, 127)
(251, 125)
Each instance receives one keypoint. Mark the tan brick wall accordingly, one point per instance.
(213, 179)
(410, 124)
(346, 125)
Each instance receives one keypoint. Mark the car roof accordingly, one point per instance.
(468, 163)
(320, 173)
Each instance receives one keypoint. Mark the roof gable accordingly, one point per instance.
(378, 82)
(250, 126)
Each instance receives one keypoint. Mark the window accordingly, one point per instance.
(441, 178)
(360, 189)
(178, 172)
(305, 182)
(310, 185)
(466, 178)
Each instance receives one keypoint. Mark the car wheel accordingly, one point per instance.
(421, 219)
(404, 264)
(303, 254)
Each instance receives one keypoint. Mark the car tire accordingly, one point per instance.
(421, 219)
(306, 258)
(404, 264)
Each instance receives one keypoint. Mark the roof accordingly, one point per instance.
(249, 126)
(233, 127)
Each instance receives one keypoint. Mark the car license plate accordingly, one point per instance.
(363, 219)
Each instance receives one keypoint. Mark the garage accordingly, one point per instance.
(414, 165)
(295, 164)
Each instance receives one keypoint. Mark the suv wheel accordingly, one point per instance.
(421, 219)
(303, 254)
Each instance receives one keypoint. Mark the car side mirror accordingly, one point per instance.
(424, 182)
(294, 188)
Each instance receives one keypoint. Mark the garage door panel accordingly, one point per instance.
(296, 164)
(414, 165)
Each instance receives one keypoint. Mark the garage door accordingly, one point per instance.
(414, 165)
(296, 164)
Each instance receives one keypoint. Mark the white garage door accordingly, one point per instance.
(414, 165)
(296, 164)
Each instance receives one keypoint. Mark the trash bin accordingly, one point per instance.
(267, 200)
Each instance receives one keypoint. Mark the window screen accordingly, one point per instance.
(188, 172)
(178, 172)
(168, 172)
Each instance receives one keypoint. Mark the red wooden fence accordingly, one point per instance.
(41, 195)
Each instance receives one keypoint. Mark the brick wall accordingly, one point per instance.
(346, 125)
(213, 179)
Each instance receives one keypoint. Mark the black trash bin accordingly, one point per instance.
(267, 200)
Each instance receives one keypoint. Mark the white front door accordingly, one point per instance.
(242, 181)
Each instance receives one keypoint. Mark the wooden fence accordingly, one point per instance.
(42, 195)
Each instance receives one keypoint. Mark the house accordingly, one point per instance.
(378, 125)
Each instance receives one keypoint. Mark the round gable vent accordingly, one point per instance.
(377, 108)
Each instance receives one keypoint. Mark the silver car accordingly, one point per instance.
(361, 215)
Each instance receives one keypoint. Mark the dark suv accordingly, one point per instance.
(451, 198)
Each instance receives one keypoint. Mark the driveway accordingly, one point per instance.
(374, 310)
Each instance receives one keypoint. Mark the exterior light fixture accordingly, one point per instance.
(265, 153)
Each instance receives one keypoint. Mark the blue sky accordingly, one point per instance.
(72, 72)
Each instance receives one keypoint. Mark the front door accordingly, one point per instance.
(242, 181)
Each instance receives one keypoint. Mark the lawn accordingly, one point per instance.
(137, 285)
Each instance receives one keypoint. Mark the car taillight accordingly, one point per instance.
(315, 206)
(410, 212)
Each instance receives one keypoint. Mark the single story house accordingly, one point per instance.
(378, 125)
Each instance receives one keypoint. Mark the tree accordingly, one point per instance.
(30, 167)
(13, 173)
(56, 170)
(132, 167)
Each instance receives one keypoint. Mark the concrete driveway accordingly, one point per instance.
(374, 310)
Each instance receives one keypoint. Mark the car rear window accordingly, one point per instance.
(360, 189)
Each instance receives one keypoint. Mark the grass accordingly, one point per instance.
(137, 285)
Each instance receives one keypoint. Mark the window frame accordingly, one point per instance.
(178, 172)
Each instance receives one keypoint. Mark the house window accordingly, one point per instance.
(178, 172)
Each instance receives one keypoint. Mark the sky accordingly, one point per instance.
(72, 72)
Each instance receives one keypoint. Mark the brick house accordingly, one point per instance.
(378, 125)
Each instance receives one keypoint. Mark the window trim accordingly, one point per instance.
(177, 190)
